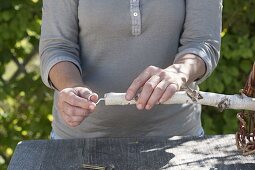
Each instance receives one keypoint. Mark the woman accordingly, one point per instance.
(146, 47)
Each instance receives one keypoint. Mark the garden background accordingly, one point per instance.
(25, 103)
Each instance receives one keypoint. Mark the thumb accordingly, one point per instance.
(93, 97)
(86, 93)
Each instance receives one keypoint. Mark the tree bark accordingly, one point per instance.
(221, 101)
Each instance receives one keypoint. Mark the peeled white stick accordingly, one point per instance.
(221, 101)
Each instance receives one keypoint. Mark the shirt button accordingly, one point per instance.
(135, 14)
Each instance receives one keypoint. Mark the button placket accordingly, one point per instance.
(135, 17)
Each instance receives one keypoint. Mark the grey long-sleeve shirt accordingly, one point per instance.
(112, 41)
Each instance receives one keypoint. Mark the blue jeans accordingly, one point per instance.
(53, 135)
(202, 134)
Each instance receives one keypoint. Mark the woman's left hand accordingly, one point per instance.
(157, 85)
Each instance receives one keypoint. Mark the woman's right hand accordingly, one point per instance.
(75, 104)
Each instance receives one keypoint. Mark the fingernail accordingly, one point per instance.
(140, 106)
(148, 107)
(89, 98)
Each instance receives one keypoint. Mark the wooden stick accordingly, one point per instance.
(221, 101)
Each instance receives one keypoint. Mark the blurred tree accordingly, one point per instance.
(237, 57)
(25, 103)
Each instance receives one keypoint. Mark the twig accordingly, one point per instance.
(221, 101)
(93, 167)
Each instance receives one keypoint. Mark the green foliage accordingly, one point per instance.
(25, 103)
(237, 57)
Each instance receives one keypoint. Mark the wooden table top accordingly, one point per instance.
(150, 153)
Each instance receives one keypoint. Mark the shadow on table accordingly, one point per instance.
(133, 153)
(215, 152)
(236, 166)
(142, 154)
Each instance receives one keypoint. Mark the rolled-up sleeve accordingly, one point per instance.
(59, 36)
(201, 33)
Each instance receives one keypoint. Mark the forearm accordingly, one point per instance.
(201, 39)
(65, 75)
(190, 66)
(75, 102)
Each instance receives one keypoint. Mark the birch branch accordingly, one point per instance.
(221, 101)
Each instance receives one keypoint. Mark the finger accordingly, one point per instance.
(66, 119)
(73, 110)
(73, 120)
(147, 90)
(77, 118)
(89, 95)
(86, 93)
(139, 82)
(72, 98)
(75, 100)
(157, 94)
(169, 92)
(74, 124)
(93, 97)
